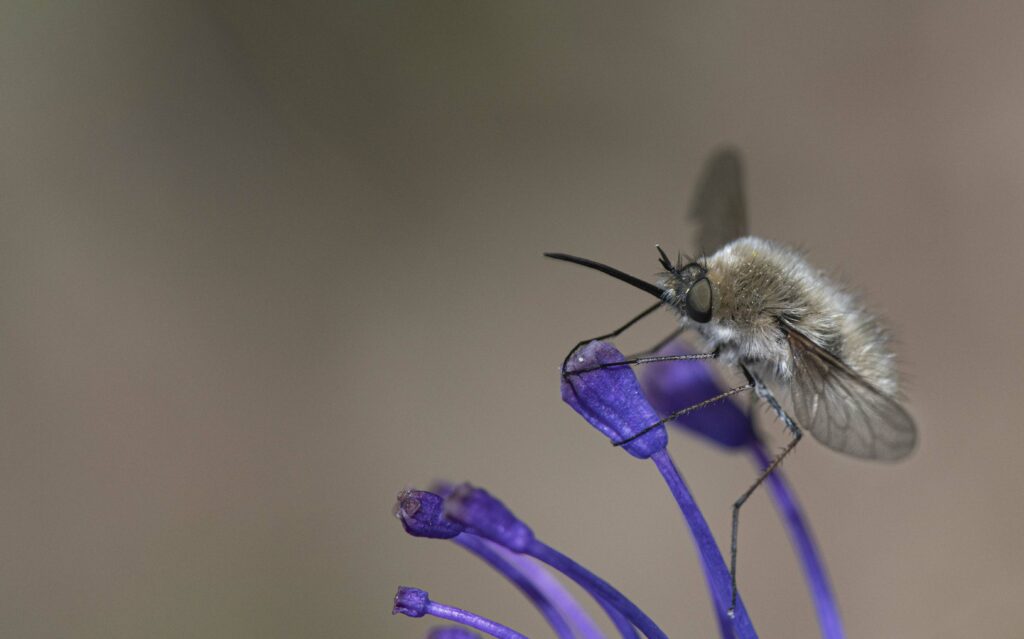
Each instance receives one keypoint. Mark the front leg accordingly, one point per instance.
(643, 358)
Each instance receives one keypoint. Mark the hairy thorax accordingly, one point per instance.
(756, 285)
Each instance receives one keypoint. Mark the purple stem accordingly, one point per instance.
(451, 632)
(803, 543)
(472, 620)
(717, 574)
(556, 593)
(487, 551)
(622, 625)
(599, 588)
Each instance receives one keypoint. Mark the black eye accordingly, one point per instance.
(698, 301)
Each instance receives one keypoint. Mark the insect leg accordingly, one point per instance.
(794, 430)
(689, 409)
(619, 331)
(643, 358)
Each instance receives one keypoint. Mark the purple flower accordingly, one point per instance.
(411, 602)
(611, 399)
(488, 517)
(414, 602)
(422, 514)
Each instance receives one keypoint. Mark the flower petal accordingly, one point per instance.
(422, 515)
(611, 399)
(488, 517)
(411, 602)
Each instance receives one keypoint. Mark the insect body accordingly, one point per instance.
(762, 307)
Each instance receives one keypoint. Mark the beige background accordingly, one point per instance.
(263, 267)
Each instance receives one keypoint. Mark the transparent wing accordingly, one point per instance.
(718, 205)
(842, 409)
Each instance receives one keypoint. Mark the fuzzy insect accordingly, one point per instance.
(760, 306)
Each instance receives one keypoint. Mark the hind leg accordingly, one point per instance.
(794, 430)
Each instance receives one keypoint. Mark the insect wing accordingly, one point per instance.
(842, 409)
(718, 206)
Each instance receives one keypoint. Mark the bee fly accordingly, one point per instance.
(761, 307)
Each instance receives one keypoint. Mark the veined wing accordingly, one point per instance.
(842, 409)
(718, 206)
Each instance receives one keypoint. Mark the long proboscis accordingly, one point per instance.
(647, 287)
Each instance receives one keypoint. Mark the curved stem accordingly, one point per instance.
(711, 557)
(483, 624)
(556, 593)
(488, 552)
(598, 587)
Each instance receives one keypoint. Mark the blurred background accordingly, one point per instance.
(263, 266)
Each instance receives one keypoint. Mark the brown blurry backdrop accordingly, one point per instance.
(261, 267)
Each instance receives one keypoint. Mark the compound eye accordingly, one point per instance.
(698, 301)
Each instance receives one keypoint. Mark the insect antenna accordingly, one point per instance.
(647, 287)
(664, 260)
